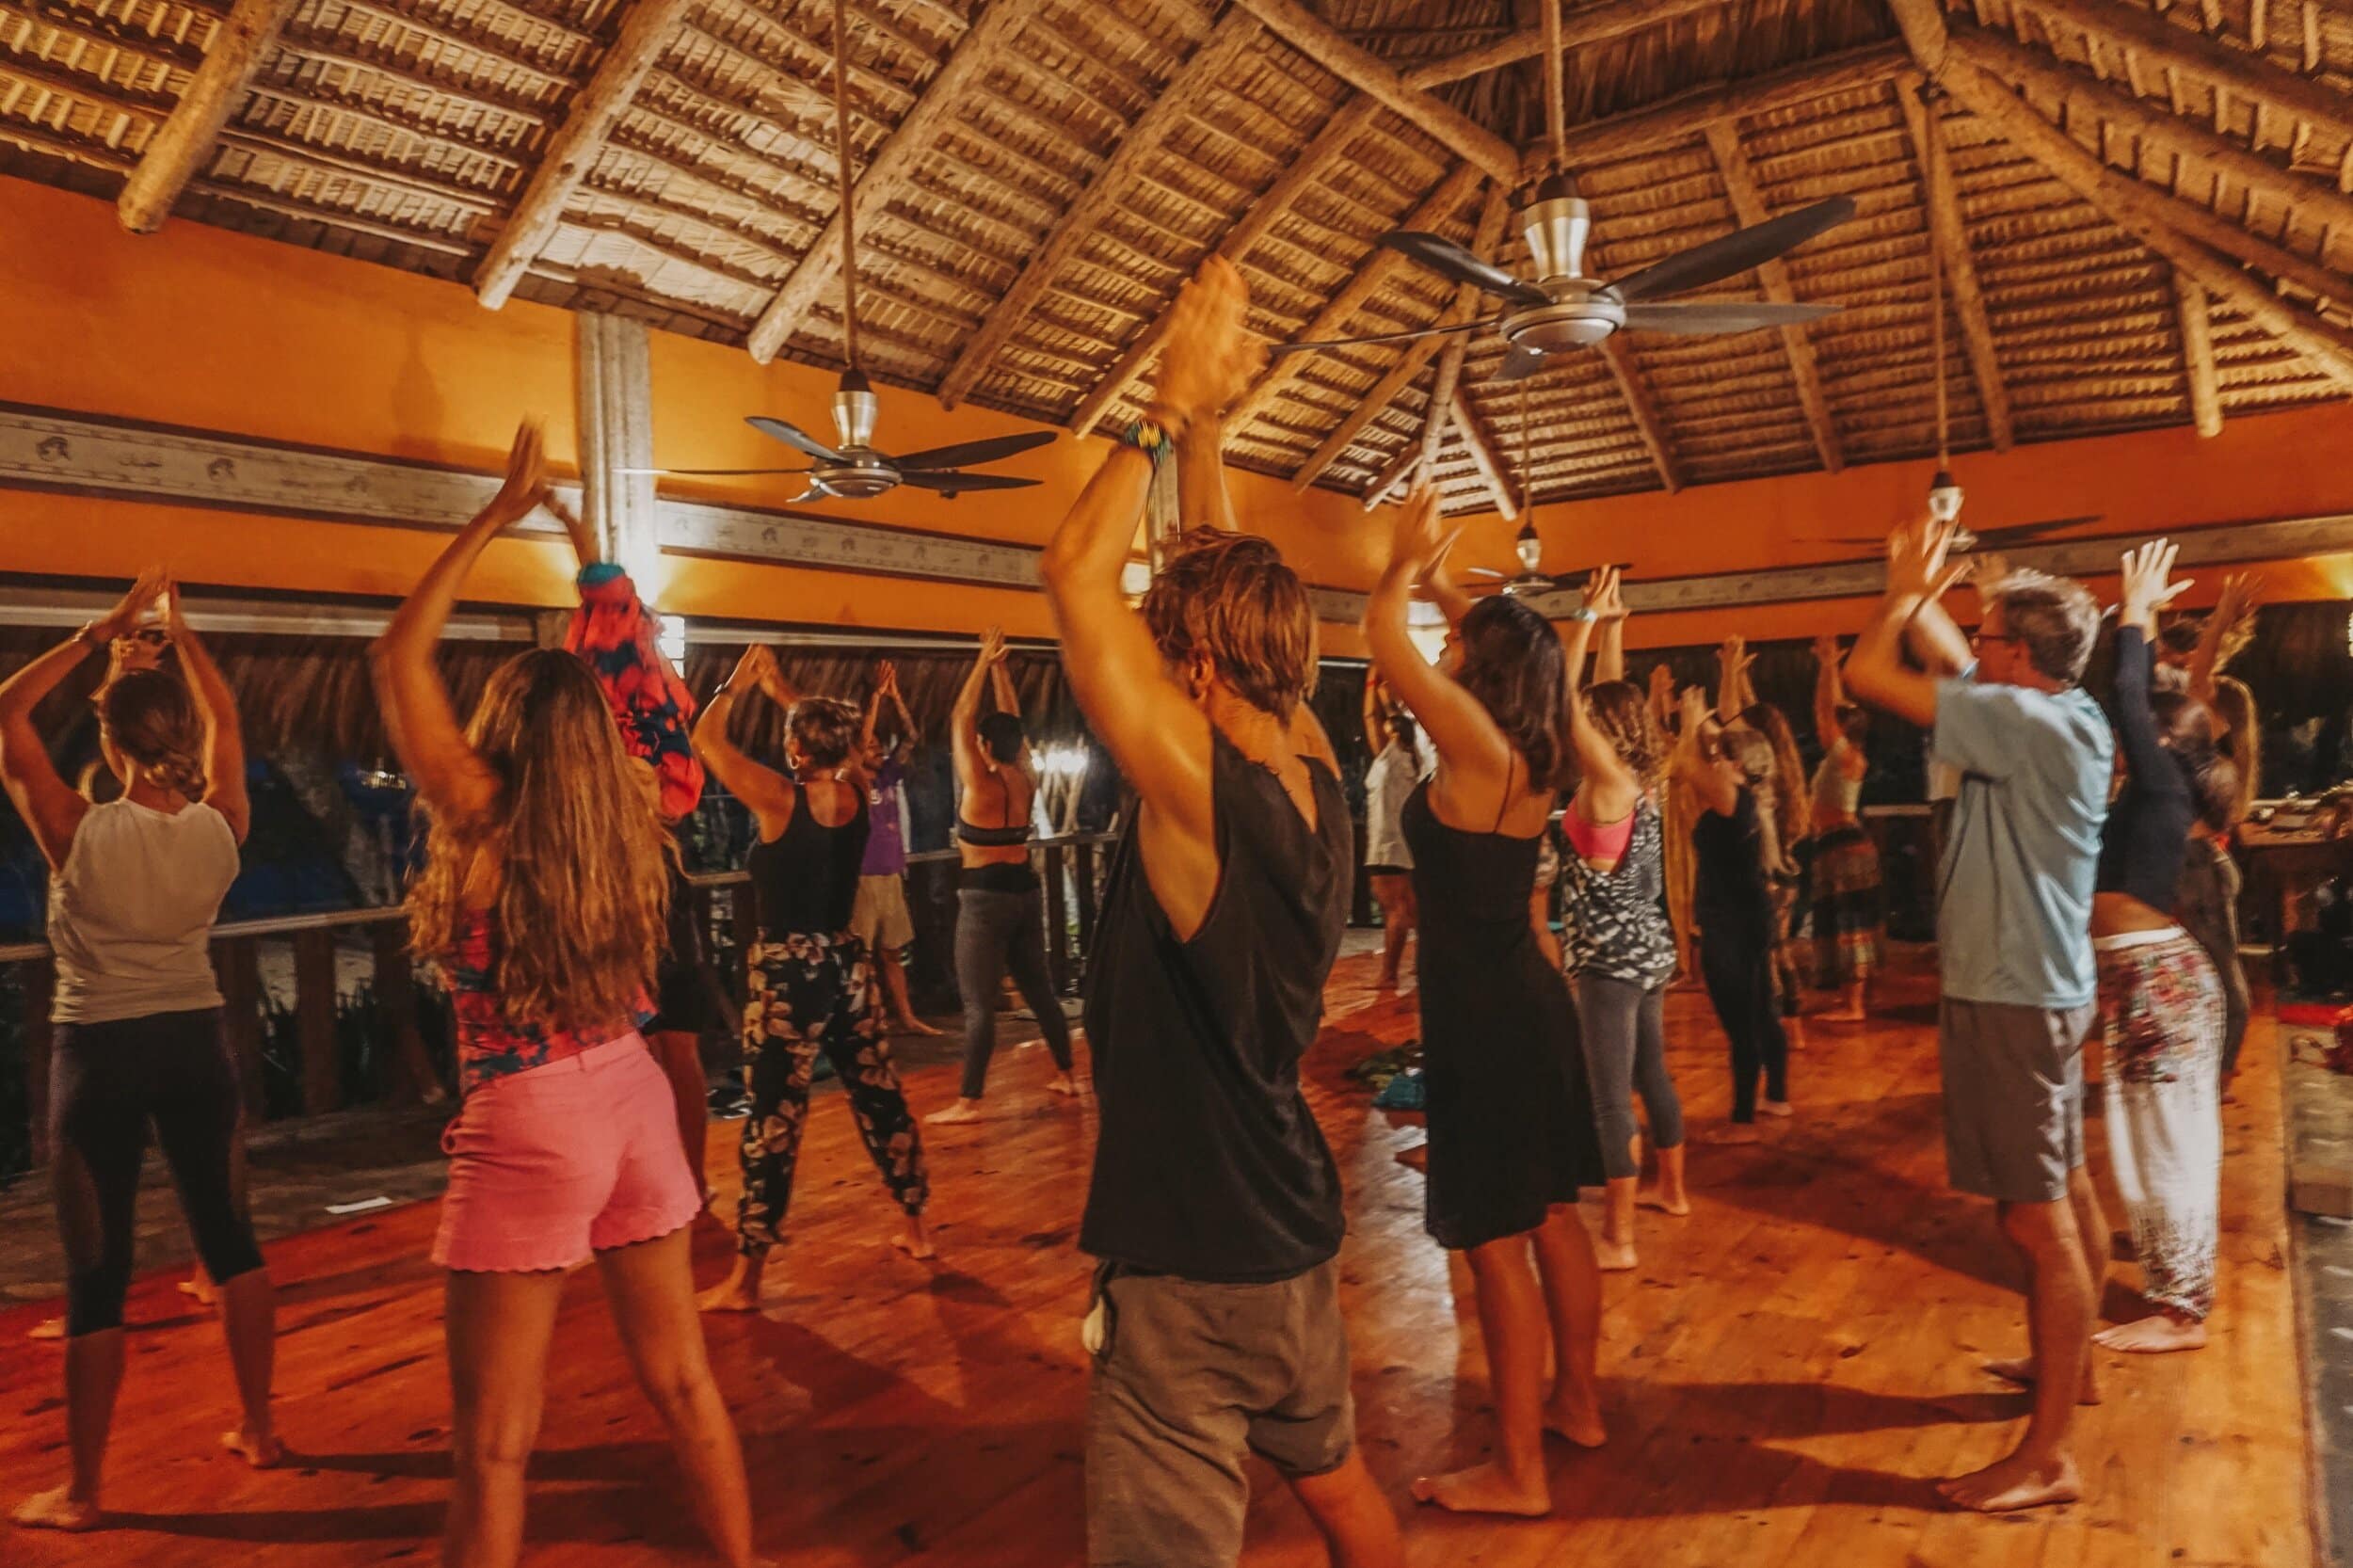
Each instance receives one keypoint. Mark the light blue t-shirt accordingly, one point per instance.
(2013, 922)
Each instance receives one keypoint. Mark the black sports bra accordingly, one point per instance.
(1009, 836)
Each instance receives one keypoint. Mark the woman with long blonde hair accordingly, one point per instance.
(544, 901)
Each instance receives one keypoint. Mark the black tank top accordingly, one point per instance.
(1209, 1164)
(806, 878)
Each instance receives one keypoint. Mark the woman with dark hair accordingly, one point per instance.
(544, 901)
(2161, 1007)
(998, 923)
(2207, 899)
(1845, 863)
(812, 981)
(1390, 780)
(1512, 1132)
(133, 887)
(1620, 951)
(1792, 820)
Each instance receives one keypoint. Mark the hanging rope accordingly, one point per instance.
(841, 147)
(1935, 140)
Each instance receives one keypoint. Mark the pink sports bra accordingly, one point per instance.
(1604, 842)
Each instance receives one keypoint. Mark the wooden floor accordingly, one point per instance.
(1786, 1372)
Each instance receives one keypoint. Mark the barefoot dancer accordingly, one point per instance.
(2161, 1004)
(813, 983)
(1845, 863)
(1512, 1132)
(999, 925)
(1621, 949)
(2014, 945)
(1215, 1205)
(879, 918)
(133, 887)
(542, 899)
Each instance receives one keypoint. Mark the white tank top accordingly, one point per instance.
(130, 913)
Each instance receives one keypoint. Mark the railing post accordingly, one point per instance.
(1057, 918)
(315, 1020)
(1083, 858)
(40, 980)
(396, 997)
(238, 964)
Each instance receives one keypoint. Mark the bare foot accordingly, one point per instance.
(913, 1025)
(198, 1289)
(1613, 1256)
(1844, 1015)
(2014, 1483)
(1775, 1108)
(1484, 1489)
(1387, 982)
(1062, 1083)
(48, 1328)
(2158, 1333)
(1576, 1417)
(58, 1509)
(1740, 1132)
(956, 1115)
(260, 1449)
(915, 1241)
(1677, 1203)
(738, 1293)
(2021, 1372)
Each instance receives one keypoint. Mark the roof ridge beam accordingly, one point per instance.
(1596, 24)
(239, 45)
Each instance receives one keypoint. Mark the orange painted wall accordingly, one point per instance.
(199, 327)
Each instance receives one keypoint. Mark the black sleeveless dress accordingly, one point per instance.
(1512, 1128)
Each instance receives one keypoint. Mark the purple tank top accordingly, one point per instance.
(885, 844)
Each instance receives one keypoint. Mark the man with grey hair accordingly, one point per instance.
(2014, 947)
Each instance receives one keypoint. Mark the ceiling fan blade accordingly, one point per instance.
(1734, 253)
(2019, 532)
(794, 437)
(1483, 571)
(1444, 255)
(1282, 348)
(986, 451)
(1519, 364)
(1697, 316)
(711, 472)
(932, 479)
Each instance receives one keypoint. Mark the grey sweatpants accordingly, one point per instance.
(996, 932)
(1624, 1029)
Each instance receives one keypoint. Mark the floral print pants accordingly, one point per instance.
(811, 993)
(2161, 1017)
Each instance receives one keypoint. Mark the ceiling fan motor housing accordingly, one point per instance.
(1557, 225)
(1580, 315)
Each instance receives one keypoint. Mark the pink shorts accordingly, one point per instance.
(552, 1164)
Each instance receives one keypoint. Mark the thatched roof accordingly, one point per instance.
(2144, 213)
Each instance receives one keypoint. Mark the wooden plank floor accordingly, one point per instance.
(1786, 1372)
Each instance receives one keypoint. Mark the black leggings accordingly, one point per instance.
(107, 1082)
(998, 928)
(1739, 967)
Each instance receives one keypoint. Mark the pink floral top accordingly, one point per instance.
(489, 1044)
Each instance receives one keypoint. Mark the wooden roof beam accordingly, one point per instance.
(1485, 243)
(1392, 477)
(1949, 231)
(1805, 372)
(1418, 356)
(1684, 115)
(2195, 314)
(1338, 133)
(2204, 56)
(892, 169)
(1480, 442)
(1368, 73)
(1141, 143)
(183, 144)
(1595, 24)
(1638, 402)
(2191, 237)
(646, 30)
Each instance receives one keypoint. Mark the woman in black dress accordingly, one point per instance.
(1512, 1131)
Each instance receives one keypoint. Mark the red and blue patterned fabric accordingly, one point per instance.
(621, 641)
(490, 1044)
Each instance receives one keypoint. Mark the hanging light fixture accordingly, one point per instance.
(1944, 493)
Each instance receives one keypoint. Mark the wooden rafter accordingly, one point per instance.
(1949, 231)
(1684, 115)
(2208, 59)
(2193, 312)
(178, 151)
(1400, 469)
(1748, 208)
(1636, 391)
(1368, 73)
(1142, 143)
(1372, 276)
(1418, 356)
(1338, 133)
(1592, 25)
(892, 169)
(646, 30)
(1485, 244)
(1480, 442)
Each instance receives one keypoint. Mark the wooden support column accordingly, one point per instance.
(1368, 73)
(894, 165)
(314, 1022)
(241, 43)
(1212, 63)
(1486, 243)
(612, 387)
(406, 1069)
(646, 30)
(1949, 231)
(1480, 442)
(2195, 313)
(1058, 917)
(2164, 43)
(1638, 402)
(1339, 132)
(1748, 208)
(1590, 26)
(237, 967)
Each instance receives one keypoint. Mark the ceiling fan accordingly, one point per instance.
(854, 469)
(1989, 538)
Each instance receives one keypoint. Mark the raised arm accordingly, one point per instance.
(1001, 691)
(1733, 660)
(1203, 499)
(2148, 587)
(450, 777)
(1472, 750)
(1610, 661)
(1439, 585)
(216, 710)
(767, 793)
(51, 807)
(2224, 633)
(964, 720)
(908, 734)
(1689, 762)
(1597, 762)
(1917, 575)
(1827, 694)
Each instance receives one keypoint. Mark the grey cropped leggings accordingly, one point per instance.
(996, 932)
(1624, 1030)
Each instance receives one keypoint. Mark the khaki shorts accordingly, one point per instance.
(2013, 1097)
(1190, 1378)
(879, 917)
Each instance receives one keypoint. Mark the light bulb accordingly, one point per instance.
(672, 639)
(1528, 546)
(1944, 497)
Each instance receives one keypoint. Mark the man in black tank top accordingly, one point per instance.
(1215, 1205)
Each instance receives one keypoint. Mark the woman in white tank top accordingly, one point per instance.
(133, 887)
